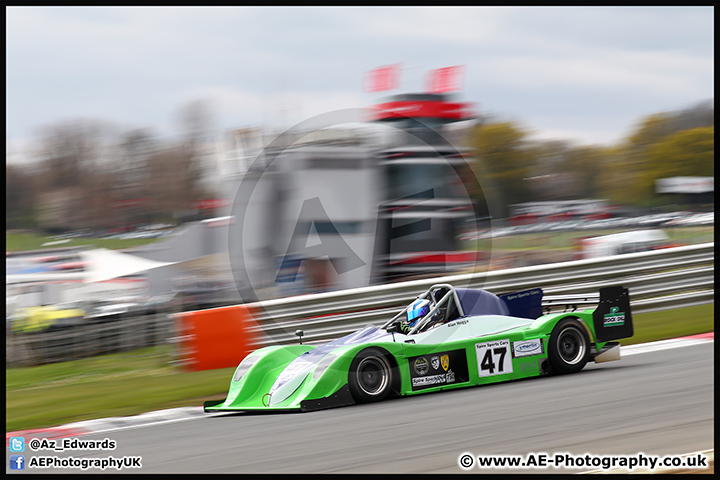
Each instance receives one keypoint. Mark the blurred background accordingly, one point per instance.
(159, 160)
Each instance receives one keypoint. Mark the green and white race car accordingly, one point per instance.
(446, 338)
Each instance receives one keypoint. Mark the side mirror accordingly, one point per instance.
(394, 328)
(300, 334)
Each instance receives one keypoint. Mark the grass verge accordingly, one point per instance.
(144, 380)
(18, 242)
(674, 323)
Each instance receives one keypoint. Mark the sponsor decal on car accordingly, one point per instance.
(435, 362)
(428, 380)
(523, 294)
(615, 318)
(437, 371)
(457, 322)
(493, 358)
(421, 366)
(432, 380)
(531, 365)
(527, 348)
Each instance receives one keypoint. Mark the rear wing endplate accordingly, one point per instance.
(612, 318)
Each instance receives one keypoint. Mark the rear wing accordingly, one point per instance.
(612, 317)
(524, 304)
(569, 303)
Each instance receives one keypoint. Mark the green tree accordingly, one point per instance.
(689, 152)
(563, 171)
(614, 182)
(685, 153)
(634, 159)
(589, 165)
(503, 160)
(662, 146)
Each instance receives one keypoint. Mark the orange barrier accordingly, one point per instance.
(215, 338)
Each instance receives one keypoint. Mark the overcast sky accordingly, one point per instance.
(582, 74)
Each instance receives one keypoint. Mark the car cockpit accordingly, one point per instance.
(436, 306)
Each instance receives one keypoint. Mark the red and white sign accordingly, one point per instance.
(685, 185)
(382, 78)
(422, 109)
(445, 79)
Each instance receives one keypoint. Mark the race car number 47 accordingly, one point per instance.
(494, 358)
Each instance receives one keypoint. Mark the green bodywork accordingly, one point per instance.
(251, 391)
(467, 351)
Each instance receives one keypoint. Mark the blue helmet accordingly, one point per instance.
(418, 309)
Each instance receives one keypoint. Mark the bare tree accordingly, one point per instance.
(21, 195)
(70, 150)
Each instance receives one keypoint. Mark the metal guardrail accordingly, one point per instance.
(83, 341)
(657, 280)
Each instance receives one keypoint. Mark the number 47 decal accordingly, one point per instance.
(493, 358)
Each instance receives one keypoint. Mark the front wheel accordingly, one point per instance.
(371, 376)
(569, 348)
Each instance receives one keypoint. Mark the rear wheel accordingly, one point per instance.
(371, 376)
(569, 348)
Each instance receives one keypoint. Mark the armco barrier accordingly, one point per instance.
(214, 338)
(658, 280)
(221, 337)
(86, 340)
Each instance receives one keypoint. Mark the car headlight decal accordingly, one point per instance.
(244, 367)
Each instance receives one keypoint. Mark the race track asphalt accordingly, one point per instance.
(657, 403)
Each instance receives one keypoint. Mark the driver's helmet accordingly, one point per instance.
(418, 309)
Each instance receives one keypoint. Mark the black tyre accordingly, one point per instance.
(569, 348)
(371, 376)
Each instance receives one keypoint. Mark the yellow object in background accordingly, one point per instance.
(36, 319)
